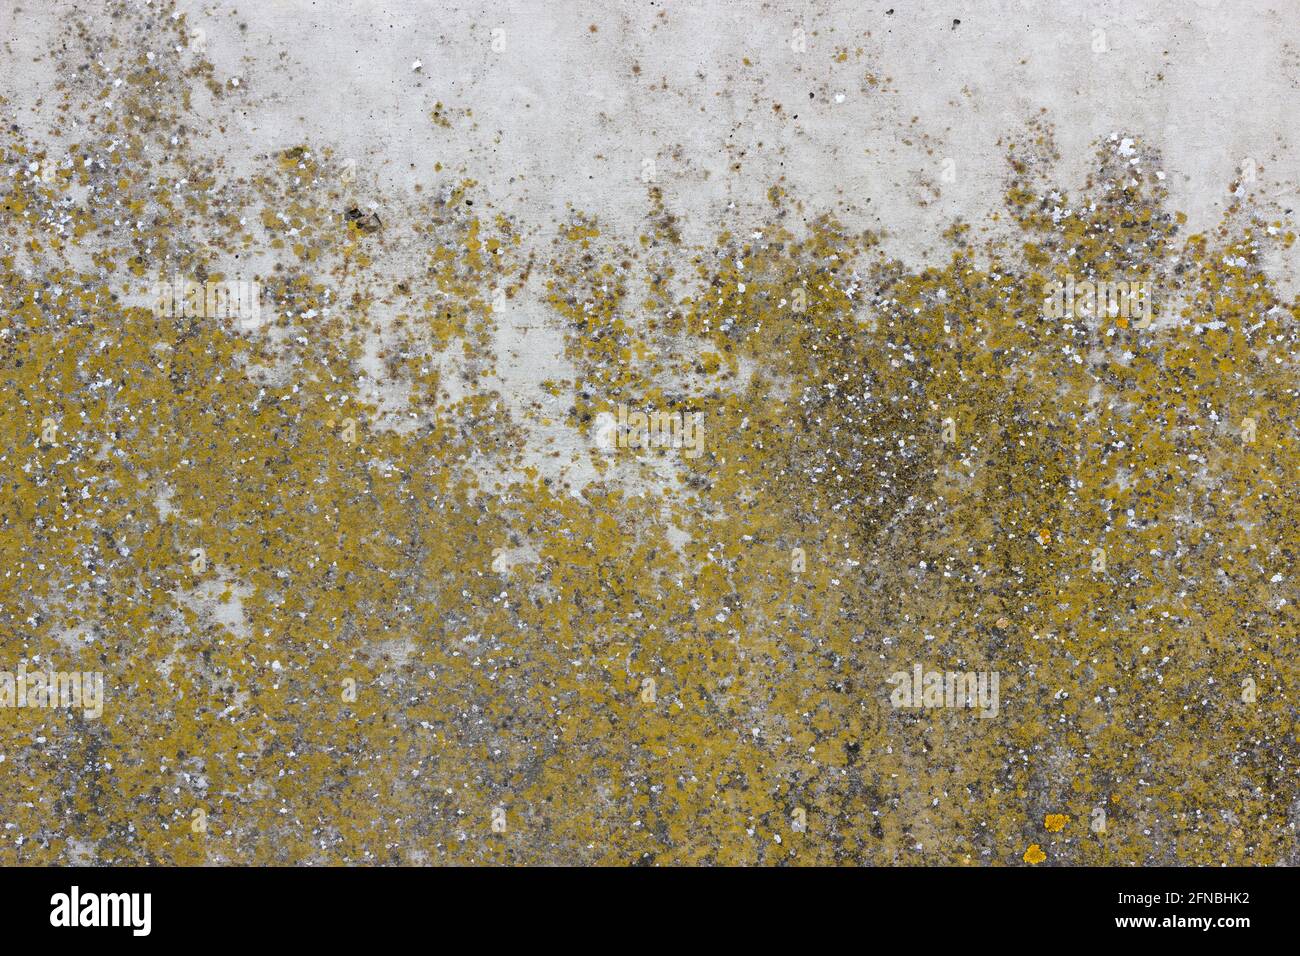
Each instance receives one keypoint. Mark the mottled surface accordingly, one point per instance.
(366, 586)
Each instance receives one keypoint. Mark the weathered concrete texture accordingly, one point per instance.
(395, 571)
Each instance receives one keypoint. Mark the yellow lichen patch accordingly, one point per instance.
(354, 607)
